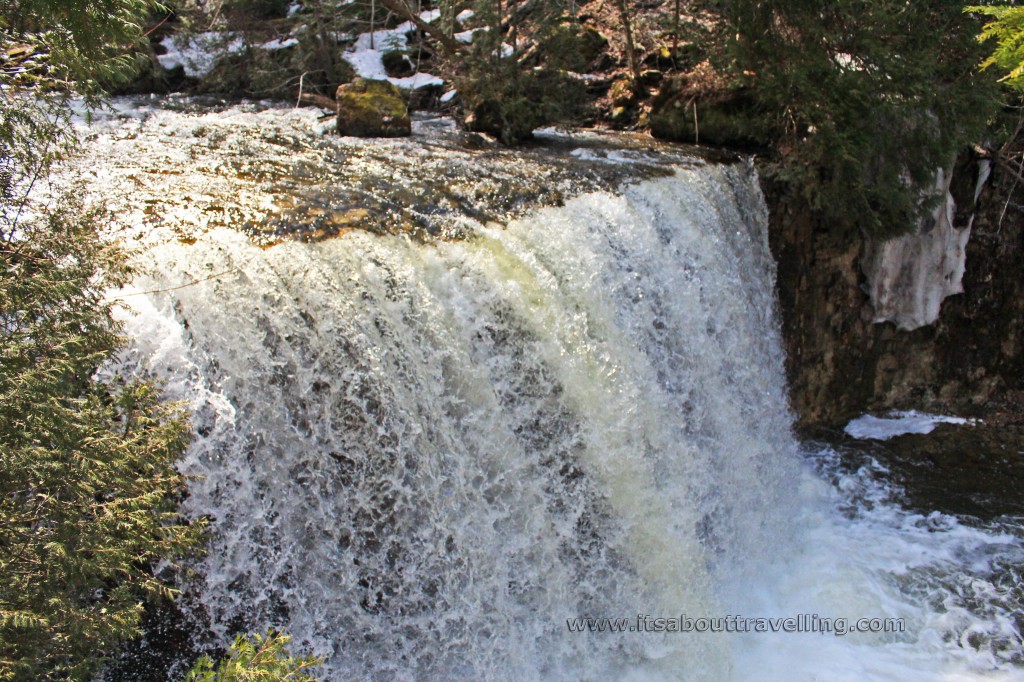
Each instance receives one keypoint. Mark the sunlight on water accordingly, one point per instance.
(422, 459)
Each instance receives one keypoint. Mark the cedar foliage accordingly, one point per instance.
(1006, 31)
(89, 46)
(866, 100)
(87, 483)
(256, 658)
(511, 79)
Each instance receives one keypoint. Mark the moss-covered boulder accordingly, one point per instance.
(622, 93)
(510, 105)
(397, 64)
(728, 119)
(572, 46)
(372, 108)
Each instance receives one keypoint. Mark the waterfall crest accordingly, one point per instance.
(422, 459)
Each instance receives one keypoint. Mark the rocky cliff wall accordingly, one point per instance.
(842, 362)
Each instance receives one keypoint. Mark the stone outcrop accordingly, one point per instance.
(841, 362)
(510, 109)
(372, 108)
(725, 119)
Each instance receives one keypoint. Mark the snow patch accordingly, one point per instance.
(198, 53)
(417, 80)
(366, 55)
(278, 44)
(585, 77)
(467, 36)
(898, 424)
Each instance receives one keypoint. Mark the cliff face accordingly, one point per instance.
(841, 362)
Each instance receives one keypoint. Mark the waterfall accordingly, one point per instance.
(422, 459)
(426, 458)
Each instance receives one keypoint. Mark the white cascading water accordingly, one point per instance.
(421, 459)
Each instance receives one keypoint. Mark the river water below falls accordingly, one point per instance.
(426, 457)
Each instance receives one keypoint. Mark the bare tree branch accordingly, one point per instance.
(450, 45)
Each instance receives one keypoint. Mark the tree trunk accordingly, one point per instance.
(675, 33)
(631, 56)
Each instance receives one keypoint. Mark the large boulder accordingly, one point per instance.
(397, 64)
(372, 108)
(574, 47)
(510, 105)
(728, 119)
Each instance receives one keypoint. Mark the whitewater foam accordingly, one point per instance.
(421, 459)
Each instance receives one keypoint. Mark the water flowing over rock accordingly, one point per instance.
(428, 458)
(425, 458)
(275, 172)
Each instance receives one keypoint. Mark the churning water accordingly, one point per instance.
(423, 458)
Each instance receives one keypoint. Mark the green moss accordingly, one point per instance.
(372, 108)
(397, 64)
(572, 46)
(730, 121)
(622, 92)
